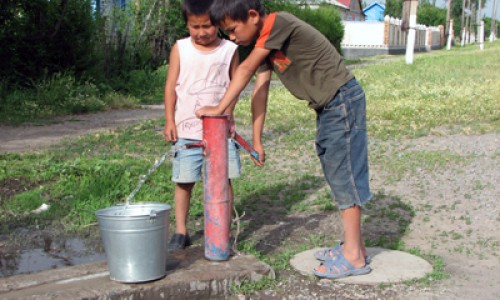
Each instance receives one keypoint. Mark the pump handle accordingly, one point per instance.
(246, 146)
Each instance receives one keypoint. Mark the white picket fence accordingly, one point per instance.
(375, 38)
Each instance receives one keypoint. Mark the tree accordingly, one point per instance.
(41, 37)
(430, 15)
(394, 8)
(457, 10)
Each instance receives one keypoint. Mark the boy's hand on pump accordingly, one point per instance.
(209, 111)
(262, 155)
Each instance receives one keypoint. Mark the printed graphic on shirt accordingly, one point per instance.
(208, 91)
(280, 61)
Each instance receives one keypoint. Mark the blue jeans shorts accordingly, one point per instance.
(341, 144)
(187, 163)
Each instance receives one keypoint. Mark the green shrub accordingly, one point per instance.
(281, 5)
(116, 100)
(62, 94)
(430, 15)
(147, 85)
(18, 106)
(327, 20)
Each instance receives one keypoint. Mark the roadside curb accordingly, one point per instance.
(189, 275)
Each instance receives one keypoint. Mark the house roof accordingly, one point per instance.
(338, 3)
(374, 5)
(346, 2)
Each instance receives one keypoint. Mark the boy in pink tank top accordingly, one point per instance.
(200, 69)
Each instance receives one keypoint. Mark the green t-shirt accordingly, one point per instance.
(304, 60)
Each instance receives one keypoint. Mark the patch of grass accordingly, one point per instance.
(246, 287)
(283, 110)
(25, 202)
(456, 235)
(87, 174)
(467, 219)
(478, 185)
(438, 273)
(438, 90)
(279, 261)
(399, 164)
(386, 221)
(316, 240)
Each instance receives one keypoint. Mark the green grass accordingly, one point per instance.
(455, 91)
(443, 92)
(438, 272)
(411, 162)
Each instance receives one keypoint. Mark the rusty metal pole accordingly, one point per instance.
(216, 187)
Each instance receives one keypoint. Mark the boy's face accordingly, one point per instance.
(242, 32)
(201, 30)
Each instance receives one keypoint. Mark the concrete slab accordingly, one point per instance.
(388, 266)
(189, 276)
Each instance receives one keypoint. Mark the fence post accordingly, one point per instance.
(428, 39)
(441, 36)
(481, 35)
(450, 35)
(387, 30)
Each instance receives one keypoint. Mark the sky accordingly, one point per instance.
(487, 11)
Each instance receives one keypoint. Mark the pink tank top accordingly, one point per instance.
(203, 80)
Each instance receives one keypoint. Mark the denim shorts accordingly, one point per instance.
(341, 144)
(187, 163)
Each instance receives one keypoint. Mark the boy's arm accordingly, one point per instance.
(241, 78)
(259, 108)
(235, 61)
(170, 97)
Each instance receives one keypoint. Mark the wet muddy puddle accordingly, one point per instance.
(30, 250)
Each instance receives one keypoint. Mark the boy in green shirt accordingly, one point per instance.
(312, 70)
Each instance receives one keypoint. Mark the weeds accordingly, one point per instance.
(249, 286)
(59, 94)
(438, 272)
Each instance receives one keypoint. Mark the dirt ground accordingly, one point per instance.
(40, 136)
(456, 213)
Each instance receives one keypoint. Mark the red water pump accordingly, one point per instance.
(217, 212)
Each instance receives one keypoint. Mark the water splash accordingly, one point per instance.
(143, 178)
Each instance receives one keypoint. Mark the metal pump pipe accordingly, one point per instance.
(217, 211)
(216, 187)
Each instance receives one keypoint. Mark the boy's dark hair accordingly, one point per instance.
(195, 8)
(237, 10)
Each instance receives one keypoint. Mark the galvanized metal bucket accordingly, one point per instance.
(135, 240)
